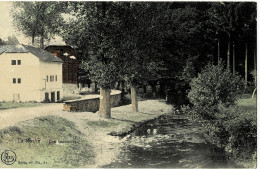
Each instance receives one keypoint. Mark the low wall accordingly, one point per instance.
(91, 103)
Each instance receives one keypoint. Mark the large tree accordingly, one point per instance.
(141, 44)
(96, 27)
(38, 19)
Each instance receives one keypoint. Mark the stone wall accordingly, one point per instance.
(90, 104)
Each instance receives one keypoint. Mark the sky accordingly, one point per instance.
(7, 28)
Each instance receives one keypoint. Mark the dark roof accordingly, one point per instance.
(70, 46)
(43, 55)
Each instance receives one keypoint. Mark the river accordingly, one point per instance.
(170, 141)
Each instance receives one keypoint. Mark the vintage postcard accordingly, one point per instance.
(128, 84)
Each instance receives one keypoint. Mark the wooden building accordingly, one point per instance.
(70, 62)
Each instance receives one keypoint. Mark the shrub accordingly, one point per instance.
(242, 128)
(214, 85)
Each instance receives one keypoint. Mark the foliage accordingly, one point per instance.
(2, 42)
(233, 19)
(214, 85)
(12, 40)
(38, 18)
(242, 129)
(233, 128)
(99, 22)
(104, 74)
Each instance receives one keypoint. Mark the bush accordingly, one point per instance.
(214, 85)
(242, 128)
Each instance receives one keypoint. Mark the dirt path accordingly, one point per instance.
(10, 117)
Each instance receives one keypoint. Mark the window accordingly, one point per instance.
(18, 62)
(47, 78)
(19, 80)
(13, 62)
(14, 80)
(51, 78)
(56, 78)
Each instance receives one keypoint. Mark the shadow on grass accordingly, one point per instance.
(124, 120)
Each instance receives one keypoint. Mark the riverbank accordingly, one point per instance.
(81, 136)
(237, 132)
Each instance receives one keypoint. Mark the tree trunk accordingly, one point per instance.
(105, 106)
(144, 88)
(134, 100)
(162, 88)
(255, 66)
(123, 89)
(154, 89)
(33, 40)
(246, 55)
(234, 59)
(42, 42)
(228, 54)
(218, 51)
(118, 85)
(96, 88)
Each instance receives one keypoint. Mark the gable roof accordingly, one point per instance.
(43, 55)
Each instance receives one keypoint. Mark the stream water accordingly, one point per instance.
(171, 141)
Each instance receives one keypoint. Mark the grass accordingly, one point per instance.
(11, 105)
(248, 108)
(76, 152)
(246, 100)
(102, 124)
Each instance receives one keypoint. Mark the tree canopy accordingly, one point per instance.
(38, 19)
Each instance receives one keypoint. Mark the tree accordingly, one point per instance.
(38, 19)
(2, 42)
(140, 53)
(97, 25)
(126, 43)
(247, 24)
(234, 22)
(214, 85)
(12, 40)
(224, 20)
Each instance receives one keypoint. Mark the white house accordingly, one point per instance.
(29, 74)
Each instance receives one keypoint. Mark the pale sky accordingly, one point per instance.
(7, 28)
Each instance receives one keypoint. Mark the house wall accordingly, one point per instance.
(47, 86)
(28, 71)
(32, 73)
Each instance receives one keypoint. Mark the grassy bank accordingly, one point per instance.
(248, 110)
(11, 105)
(46, 142)
(92, 147)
